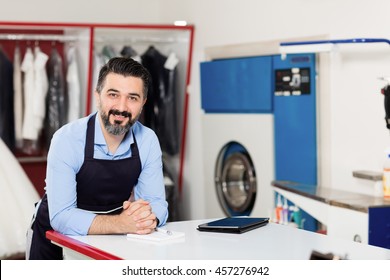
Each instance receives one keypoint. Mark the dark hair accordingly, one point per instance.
(126, 67)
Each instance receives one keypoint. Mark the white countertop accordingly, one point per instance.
(271, 242)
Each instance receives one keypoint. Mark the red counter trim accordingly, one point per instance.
(79, 246)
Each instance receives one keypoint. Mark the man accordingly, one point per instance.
(97, 163)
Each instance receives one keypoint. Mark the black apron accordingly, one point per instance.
(102, 185)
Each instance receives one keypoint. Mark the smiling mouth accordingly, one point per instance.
(119, 117)
(117, 113)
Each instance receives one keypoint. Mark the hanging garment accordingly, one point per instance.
(56, 100)
(98, 62)
(160, 108)
(73, 85)
(41, 86)
(108, 52)
(129, 52)
(18, 197)
(29, 130)
(18, 98)
(7, 127)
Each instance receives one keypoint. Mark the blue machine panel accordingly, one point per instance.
(295, 120)
(241, 85)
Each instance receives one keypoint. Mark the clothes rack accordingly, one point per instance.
(135, 39)
(38, 37)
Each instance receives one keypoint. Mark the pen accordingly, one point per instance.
(164, 231)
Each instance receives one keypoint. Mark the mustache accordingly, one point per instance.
(117, 112)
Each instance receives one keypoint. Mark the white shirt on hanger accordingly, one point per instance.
(73, 83)
(18, 98)
(41, 86)
(29, 130)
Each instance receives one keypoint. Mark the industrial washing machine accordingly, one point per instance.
(238, 151)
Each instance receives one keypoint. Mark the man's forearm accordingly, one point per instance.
(136, 217)
(108, 224)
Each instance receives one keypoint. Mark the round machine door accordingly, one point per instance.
(235, 180)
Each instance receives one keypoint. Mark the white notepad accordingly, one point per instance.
(158, 235)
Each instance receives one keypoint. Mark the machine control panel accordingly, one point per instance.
(293, 81)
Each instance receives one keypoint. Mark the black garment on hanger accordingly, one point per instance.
(7, 123)
(160, 109)
(56, 99)
(128, 52)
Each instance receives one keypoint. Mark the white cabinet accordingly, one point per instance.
(346, 215)
(347, 224)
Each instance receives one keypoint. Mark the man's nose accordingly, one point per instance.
(122, 104)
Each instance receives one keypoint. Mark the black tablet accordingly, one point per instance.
(234, 225)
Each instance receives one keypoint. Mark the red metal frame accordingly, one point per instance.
(185, 118)
(79, 246)
(90, 69)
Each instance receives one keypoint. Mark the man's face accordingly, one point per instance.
(120, 102)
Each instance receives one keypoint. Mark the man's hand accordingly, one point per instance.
(141, 212)
(136, 217)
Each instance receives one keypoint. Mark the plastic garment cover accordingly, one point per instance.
(35, 86)
(56, 99)
(18, 197)
(160, 109)
(18, 97)
(29, 130)
(40, 88)
(73, 85)
(7, 128)
(98, 62)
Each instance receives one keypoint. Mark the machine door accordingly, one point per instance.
(235, 180)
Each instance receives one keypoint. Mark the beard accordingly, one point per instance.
(117, 128)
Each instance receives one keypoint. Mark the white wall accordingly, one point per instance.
(113, 11)
(352, 134)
